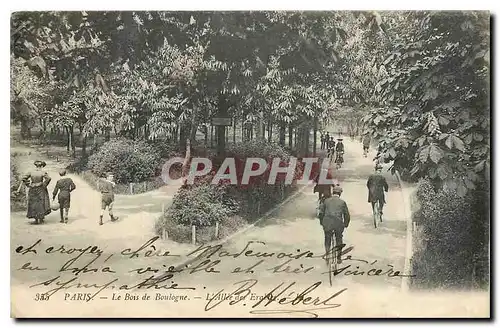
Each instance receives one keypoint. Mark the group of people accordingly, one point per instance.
(334, 149)
(37, 182)
(333, 211)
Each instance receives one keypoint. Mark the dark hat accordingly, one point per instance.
(340, 139)
(40, 163)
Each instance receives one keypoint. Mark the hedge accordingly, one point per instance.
(17, 200)
(141, 163)
(452, 248)
(130, 161)
(204, 204)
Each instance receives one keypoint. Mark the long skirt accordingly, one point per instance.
(38, 202)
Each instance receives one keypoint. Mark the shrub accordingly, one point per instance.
(453, 248)
(182, 233)
(124, 189)
(17, 200)
(201, 205)
(165, 148)
(130, 161)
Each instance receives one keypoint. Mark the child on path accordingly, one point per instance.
(106, 187)
(64, 187)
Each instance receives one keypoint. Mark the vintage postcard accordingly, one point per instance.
(250, 164)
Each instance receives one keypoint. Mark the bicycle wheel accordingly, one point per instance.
(376, 211)
(379, 210)
(332, 263)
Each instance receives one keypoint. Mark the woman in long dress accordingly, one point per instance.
(38, 195)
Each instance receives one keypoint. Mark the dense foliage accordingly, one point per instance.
(433, 118)
(203, 203)
(453, 241)
(17, 199)
(417, 82)
(202, 206)
(129, 161)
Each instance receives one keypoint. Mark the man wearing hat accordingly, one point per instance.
(366, 144)
(377, 184)
(339, 149)
(331, 147)
(64, 187)
(334, 217)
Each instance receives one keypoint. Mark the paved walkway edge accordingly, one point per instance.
(405, 281)
(266, 215)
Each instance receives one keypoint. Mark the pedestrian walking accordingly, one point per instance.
(63, 188)
(38, 196)
(106, 187)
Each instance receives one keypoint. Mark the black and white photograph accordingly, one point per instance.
(250, 164)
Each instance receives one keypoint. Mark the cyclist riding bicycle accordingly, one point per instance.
(331, 147)
(366, 145)
(377, 184)
(339, 149)
(334, 218)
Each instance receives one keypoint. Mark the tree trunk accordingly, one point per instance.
(307, 137)
(290, 136)
(211, 136)
(282, 134)
(107, 135)
(183, 136)
(259, 127)
(234, 130)
(68, 139)
(187, 158)
(297, 141)
(270, 131)
(84, 146)
(72, 138)
(221, 129)
(194, 126)
(315, 136)
(205, 128)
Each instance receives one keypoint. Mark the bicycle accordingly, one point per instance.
(376, 212)
(331, 259)
(330, 154)
(339, 160)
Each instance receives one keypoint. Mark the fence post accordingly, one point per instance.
(145, 186)
(193, 234)
(216, 229)
(131, 188)
(165, 234)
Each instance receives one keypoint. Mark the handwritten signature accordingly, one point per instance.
(281, 295)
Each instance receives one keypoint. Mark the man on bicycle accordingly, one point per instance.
(334, 217)
(331, 147)
(377, 184)
(339, 149)
(366, 144)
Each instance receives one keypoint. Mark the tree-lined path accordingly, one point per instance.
(293, 226)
